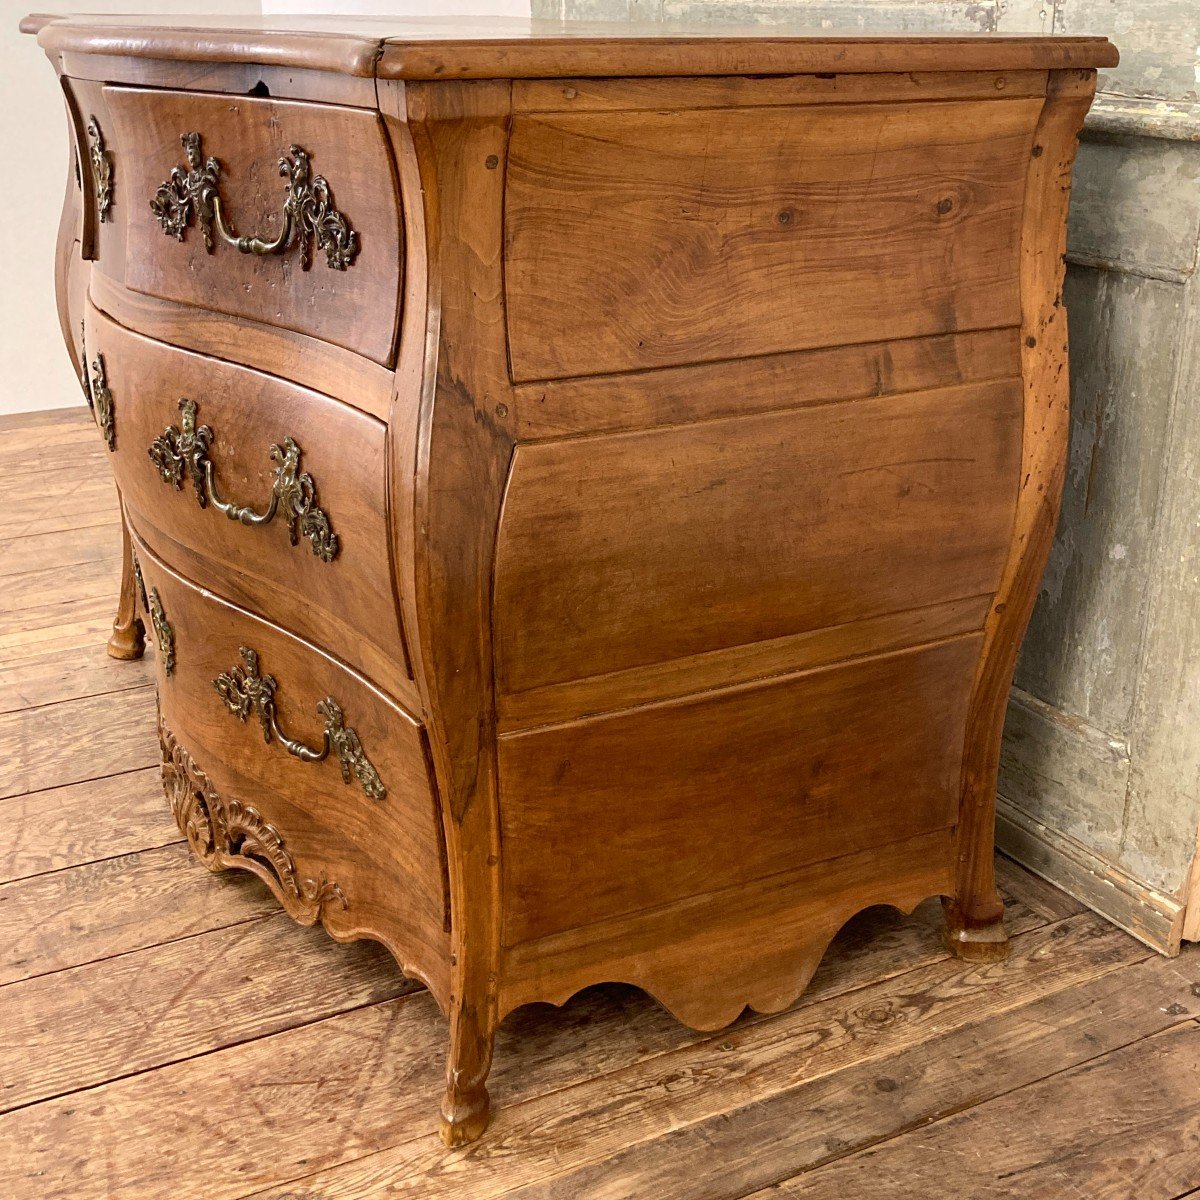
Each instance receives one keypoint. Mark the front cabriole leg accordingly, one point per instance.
(451, 143)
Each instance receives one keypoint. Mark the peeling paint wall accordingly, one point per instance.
(1100, 778)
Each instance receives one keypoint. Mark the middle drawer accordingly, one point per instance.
(271, 495)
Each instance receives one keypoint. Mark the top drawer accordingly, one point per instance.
(331, 166)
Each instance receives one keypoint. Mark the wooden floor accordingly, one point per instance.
(168, 1033)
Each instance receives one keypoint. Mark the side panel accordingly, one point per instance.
(644, 239)
(605, 817)
(631, 549)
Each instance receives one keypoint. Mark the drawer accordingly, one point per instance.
(320, 566)
(335, 160)
(353, 837)
(652, 238)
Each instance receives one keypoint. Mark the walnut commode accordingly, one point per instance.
(586, 493)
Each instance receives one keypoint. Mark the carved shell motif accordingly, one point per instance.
(226, 833)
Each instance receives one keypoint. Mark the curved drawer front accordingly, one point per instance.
(252, 167)
(320, 564)
(320, 781)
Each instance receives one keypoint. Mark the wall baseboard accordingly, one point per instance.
(1150, 916)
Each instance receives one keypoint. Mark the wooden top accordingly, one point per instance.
(502, 48)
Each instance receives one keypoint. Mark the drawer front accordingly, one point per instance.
(652, 238)
(623, 813)
(320, 565)
(353, 217)
(358, 833)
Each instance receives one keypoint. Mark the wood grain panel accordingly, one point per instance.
(356, 308)
(753, 781)
(348, 604)
(677, 395)
(615, 690)
(647, 239)
(639, 548)
(386, 855)
(738, 91)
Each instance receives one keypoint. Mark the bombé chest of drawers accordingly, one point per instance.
(584, 492)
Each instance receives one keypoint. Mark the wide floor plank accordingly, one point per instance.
(70, 674)
(1123, 1127)
(35, 504)
(53, 595)
(21, 647)
(44, 420)
(368, 1080)
(77, 740)
(535, 1138)
(67, 918)
(84, 822)
(755, 1145)
(78, 1028)
(64, 548)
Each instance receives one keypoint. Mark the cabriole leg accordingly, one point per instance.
(128, 638)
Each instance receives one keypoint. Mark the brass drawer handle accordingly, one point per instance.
(308, 212)
(184, 448)
(246, 691)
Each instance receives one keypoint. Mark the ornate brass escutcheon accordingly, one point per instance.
(102, 168)
(101, 400)
(184, 449)
(141, 584)
(84, 381)
(193, 193)
(164, 635)
(245, 690)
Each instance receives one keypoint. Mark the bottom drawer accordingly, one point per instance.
(280, 760)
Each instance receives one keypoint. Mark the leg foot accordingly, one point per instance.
(464, 1116)
(127, 641)
(976, 938)
(466, 1108)
(129, 634)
